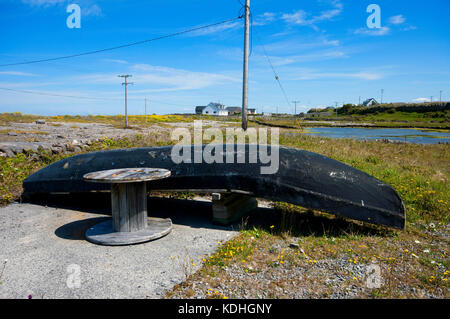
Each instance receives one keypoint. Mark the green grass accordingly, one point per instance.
(389, 118)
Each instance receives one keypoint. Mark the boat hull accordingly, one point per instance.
(303, 178)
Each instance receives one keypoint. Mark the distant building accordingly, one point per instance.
(267, 114)
(234, 110)
(220, 109)
(370, 102)
(216, 109)
(199, 109)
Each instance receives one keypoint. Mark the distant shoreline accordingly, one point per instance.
(354, 125)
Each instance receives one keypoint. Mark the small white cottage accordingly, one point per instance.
(215, 109)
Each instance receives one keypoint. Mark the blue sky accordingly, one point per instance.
(322, 50)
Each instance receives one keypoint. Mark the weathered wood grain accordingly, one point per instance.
(127, 175)
(104, 234)
(129, 206)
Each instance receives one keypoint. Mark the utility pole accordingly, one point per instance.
(359, 103)
(245, 76)
(382, 92)
(440, 97)
(431, 99)
(295, 110)
(125, 76)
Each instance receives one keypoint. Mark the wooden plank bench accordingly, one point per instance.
(130, 223)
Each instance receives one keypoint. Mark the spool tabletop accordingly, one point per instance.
(129, 224)
(127, 175)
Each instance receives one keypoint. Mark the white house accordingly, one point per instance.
(215, 109)
(370, 102)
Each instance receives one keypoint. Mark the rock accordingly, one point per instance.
(294, 245)
(60, 136)
(40, 121)
(12, 134)
(17, 149)
(57, 149)
(69, 147)
(7, 151)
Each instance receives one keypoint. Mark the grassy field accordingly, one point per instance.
(115, 120)
(414, 263)
(389, 118)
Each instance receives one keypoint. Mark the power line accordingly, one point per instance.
(57, 95)
(83, 97)
(277, 78)
(124, 45)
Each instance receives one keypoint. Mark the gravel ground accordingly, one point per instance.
(333, 278)
(44, 247)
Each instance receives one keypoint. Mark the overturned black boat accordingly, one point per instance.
(302, 178)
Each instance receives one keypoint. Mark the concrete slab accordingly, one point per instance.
(46, 253)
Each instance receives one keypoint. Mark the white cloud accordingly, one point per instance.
(292, 59)
(300, 17)
(297, 44)
(163, 79)
(373, 32)
(116, 61)
(421, 99)
(363, 75)
(264, 19)
(398, 19)
(215, 29)
(17, 73)
(86, 8)
(93, 10)
(43, 2)
(409, 28)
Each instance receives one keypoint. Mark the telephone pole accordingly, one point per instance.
(245, 76)
(440, 97)
(382, 92)
(126, 76)
(295, 110)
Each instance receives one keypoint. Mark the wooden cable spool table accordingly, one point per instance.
(130, 223)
